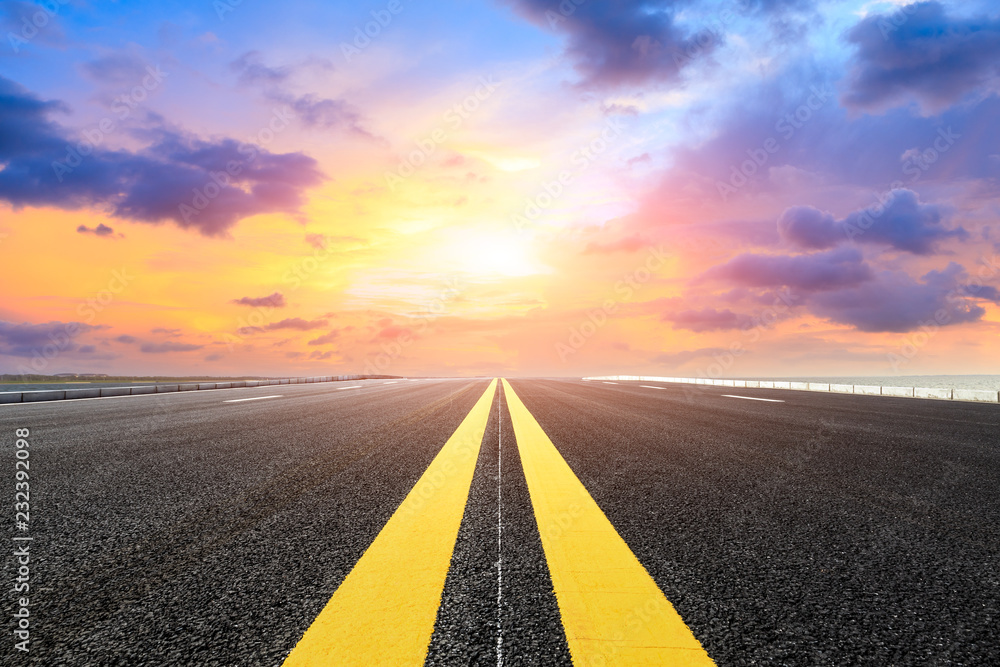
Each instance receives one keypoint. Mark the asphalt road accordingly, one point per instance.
(822, 530)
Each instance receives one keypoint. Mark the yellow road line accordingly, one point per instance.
(612, 610)
(383, 613)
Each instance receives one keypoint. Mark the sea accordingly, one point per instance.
(986, 382)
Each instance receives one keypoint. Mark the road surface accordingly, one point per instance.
(230, 527)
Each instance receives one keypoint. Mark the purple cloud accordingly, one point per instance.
(895, 302)
(204, 185)
(903, 223)
(253, 72)
(101, 230)
(626, 42)
(327, 339)
(168, 346)
(276, 300)
(310, 110)
(296, 323)
(166, 332)
(920, 52)
(30, 340)
(842, 267)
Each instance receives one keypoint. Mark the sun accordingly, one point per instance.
(493, 254)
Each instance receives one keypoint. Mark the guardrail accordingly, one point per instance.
(976, 395)
(36, 396)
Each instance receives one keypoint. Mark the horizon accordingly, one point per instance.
(500, 189)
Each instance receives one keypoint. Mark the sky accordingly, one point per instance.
(504, 187)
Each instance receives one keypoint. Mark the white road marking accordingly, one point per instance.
(255, 398)
(649, 386)
(357, 386)
(389, 382)
(610, 383)
(499, 533)
(751, 398)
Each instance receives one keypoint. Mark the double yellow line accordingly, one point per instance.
(612, 611)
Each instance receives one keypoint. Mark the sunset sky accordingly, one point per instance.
(515, 187)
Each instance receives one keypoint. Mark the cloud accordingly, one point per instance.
(128, 340)
(326, 339)
(168, 346)
(101, 230)
(253, 72)
(627, 42)
(30, 340)
(842, 267)
(172, 179)
(320, 356)
(119, 69)
(839, 286)
(895, 302)
(707, 319)
(921, 53)
(296, 323)
(214, 357)
(18, 27)
(276, 300)
(903, 223)
(166, 332)
(312, 111)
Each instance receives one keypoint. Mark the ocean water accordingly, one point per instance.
(986, 382)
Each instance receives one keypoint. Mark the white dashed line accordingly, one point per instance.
(357, 386)
(649, 386)
(499, 534)
(255, 398)
(751, 398)
(610, 383)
